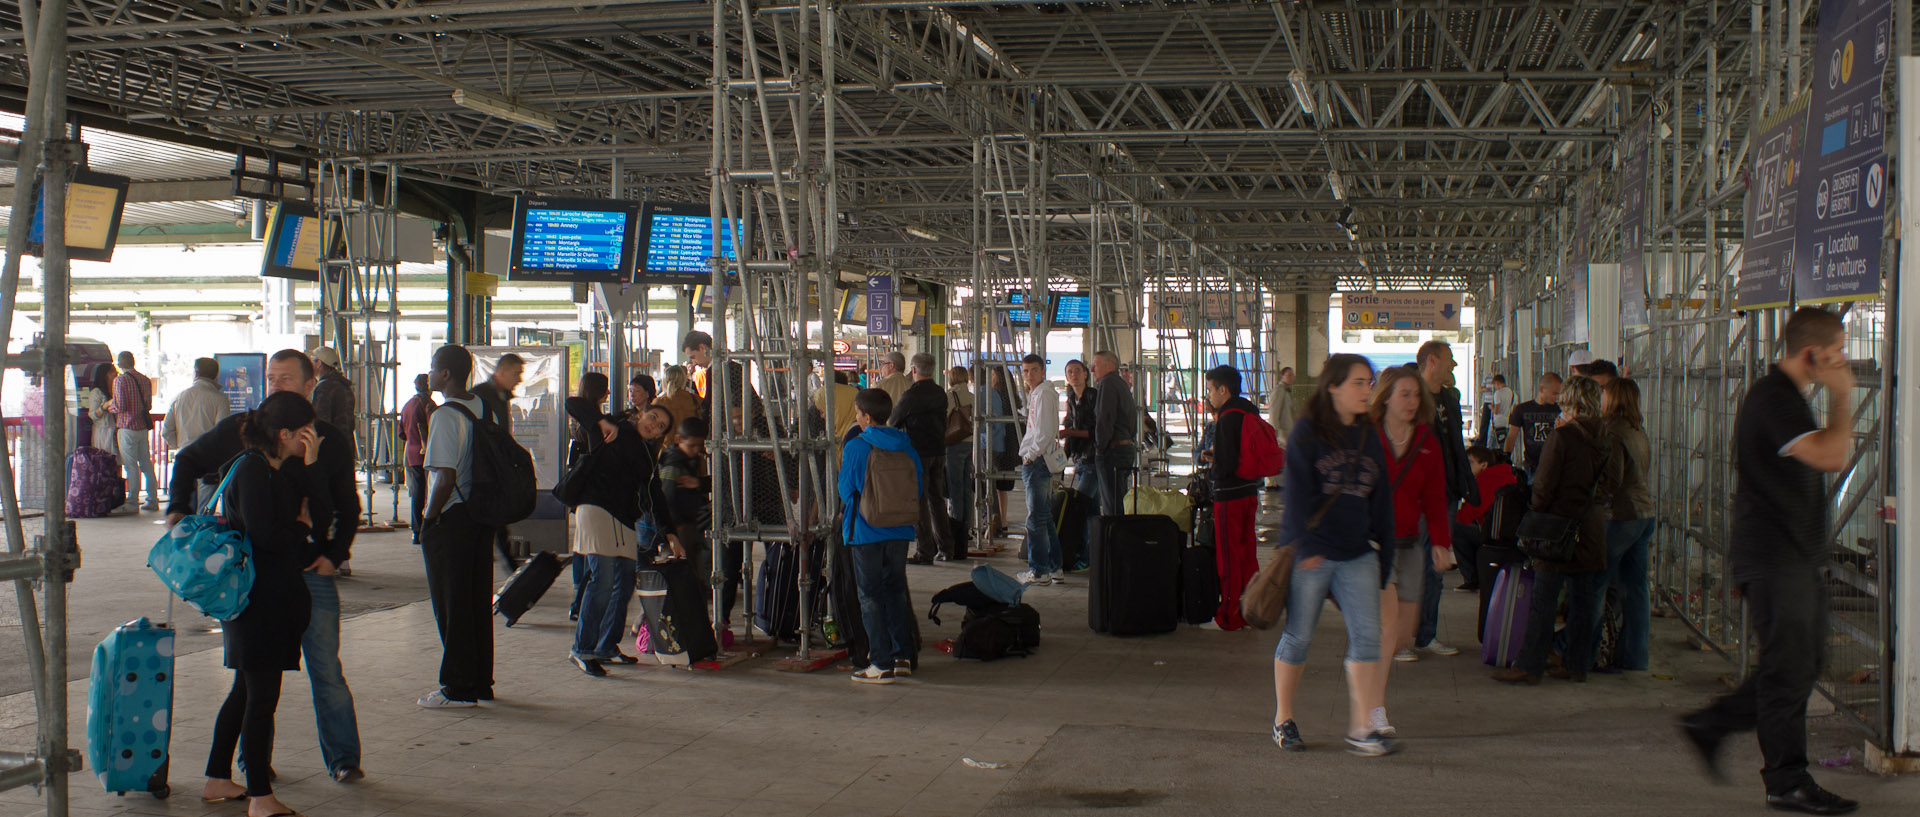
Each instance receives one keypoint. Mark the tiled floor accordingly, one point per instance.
(1173, 724)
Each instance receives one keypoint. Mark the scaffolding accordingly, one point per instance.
(359, 312)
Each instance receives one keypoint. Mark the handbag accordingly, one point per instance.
(1547, 537)
(1265, 599)
(571, 490)
(959, 423)
(206, 562)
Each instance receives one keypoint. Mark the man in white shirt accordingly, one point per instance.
(1040, 458)
(1281, 415)
(1503, 405)
(459, 562)
(198, 408)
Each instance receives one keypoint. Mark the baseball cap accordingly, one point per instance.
(1580, 357)
(326, 354)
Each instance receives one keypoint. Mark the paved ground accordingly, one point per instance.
(1173, 724)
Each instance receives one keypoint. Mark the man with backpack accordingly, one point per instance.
(1243, 445)
(455, 543)
(880, 490)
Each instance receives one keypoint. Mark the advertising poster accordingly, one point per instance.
(1633, 218)
(243, 379)
(1773, 201)
(1843, 202)
(539, 403)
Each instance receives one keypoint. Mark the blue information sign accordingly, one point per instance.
(1773, 201)
(586, 240)
(243, 379)
(880, 296)
(1843, 201)
(678, 247)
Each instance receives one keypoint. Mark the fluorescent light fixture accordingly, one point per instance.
(505, 109)
(916, 232)
(1333, 183)
(1298, 79)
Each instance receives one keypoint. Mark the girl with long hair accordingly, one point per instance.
(1630, 522)
(1403, 410)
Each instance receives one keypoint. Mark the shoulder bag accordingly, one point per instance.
(1265, 599)
(1546, 537)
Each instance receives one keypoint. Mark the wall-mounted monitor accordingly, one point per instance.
(95, 202)
(1019, 315)
(853, 307)
(1072, 309)
(676, 243)
(293, 245)
(560, 239)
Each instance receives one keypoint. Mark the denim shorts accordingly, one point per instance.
(1355, 585)
(1409, 569)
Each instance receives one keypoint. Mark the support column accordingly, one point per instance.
(1905, 673)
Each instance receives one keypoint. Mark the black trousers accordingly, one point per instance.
(1788, 608)
(934, 532)
(460, 584)
(417, 493)
(248, 713)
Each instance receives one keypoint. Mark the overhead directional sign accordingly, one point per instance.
(1773, 202)
(1438, 311)
(1843, 207)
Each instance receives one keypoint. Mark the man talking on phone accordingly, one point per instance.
(1779, 548)
(337, 515)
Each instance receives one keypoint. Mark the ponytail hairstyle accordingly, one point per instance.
(1327, 423)
(281, 411)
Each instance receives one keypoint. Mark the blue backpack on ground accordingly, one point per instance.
(206, 563)
(130, 708)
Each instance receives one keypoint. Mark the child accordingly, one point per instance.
(1469, 527)
(689, 490)
(880, 551)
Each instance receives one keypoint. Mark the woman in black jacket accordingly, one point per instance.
(266, 498)
(623, 502)
(1578, 475)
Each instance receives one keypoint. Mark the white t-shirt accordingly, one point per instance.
(450, 443)
(1502, 401)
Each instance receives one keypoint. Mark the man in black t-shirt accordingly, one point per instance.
(1531, 422)
(1779, 546)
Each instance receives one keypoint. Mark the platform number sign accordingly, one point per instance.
(880, 298)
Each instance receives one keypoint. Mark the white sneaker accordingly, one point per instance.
(438, 699)
(1056, 578)
(1438, 648)
(873, 675)
(1030, 577)
(1377, 722)
(1406, 656)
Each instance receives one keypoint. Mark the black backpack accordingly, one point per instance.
(1503, 517)
(991, 635)
(504, 488)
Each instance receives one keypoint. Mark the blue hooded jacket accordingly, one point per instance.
(853, 479)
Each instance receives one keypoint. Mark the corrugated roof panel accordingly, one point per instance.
(138, 157)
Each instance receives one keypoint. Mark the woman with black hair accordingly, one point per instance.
(96, 422)
(266, 498)
(621, 518)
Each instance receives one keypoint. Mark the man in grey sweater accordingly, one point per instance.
(1115, 419)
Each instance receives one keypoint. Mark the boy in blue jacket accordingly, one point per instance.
(879, 553)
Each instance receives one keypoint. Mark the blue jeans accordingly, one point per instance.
(1115, 467)
(603, 609)
(1355, 585)
(1043, 542)
(1430, 588)
(1627, 545)
(136, 459)
(960, 482)
(880, 575)
(579, 568)
(332, 702)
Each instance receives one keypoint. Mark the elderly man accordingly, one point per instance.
(893, 378)
(1115, 419)
(195, 410)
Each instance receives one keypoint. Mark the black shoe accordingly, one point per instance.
(626, 659)
(347, 774)
(1707, 742)
(919, 560)
(1811, 799)
(590, 666)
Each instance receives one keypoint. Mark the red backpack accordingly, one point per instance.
(1260, 452)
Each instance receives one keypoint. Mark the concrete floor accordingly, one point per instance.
(1175, 724)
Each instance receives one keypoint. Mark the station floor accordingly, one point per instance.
(1167, 725)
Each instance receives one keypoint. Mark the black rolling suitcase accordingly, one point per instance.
(673, 607)
(1134, 584)
(776, 609)
(525, 587)
(1071, 510)
(1200, 572)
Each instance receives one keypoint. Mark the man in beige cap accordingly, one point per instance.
(333, 395)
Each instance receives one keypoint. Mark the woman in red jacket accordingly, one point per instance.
(1403, 411)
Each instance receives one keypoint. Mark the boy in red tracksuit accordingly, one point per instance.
(1235, 501)
(1469, 528)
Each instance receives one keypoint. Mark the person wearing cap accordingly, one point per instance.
(1579, 361)
(333, 395)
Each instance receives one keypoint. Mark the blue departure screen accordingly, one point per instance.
(1072, 310)
(1018, 316)
(583, 240)
(678, 247)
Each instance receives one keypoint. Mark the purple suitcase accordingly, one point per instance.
(94, 484)
(1507, 612)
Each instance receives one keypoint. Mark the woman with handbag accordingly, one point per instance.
(1630, 522)
(268, 503)
(620, 502)
(1565, 535)
(1338, 516)
(1403, 410)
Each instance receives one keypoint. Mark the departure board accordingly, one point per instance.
(1018, 317)
(1072, 309)
(679, 240)
(590, 240)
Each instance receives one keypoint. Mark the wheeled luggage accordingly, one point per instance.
(1200, 573)
(1134, 583)
(130, 708)
(525, 587)
(673, 610)
(94, 484)
(1506, 630)
(1071, 510)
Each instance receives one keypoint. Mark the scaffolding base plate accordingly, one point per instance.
(820, 660)
(726, 660)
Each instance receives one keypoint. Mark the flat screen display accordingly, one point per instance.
(583, 240)
(293, 242)
(677, 242)
(853, 307)
(1072, 309)
(1018, 316)
(95, 202)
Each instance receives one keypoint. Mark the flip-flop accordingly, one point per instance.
(238, 798)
